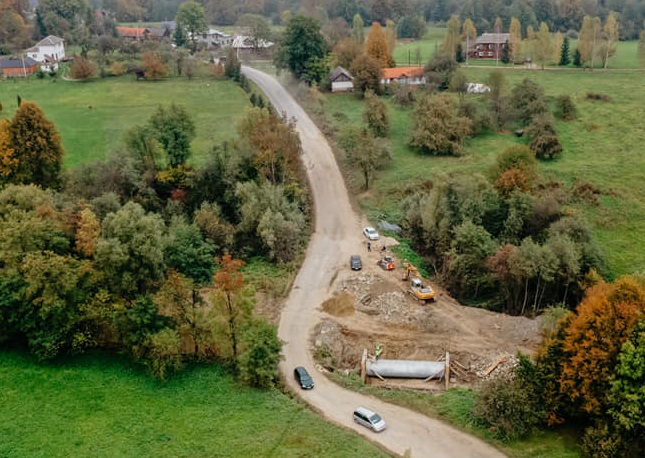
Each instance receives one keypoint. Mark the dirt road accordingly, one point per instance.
(338, 235)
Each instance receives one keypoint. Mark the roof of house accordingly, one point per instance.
(496, 38)
(51, 40)
(159, 32)
(132, 32)
(402, 72)
(17, 63)
(339, 71)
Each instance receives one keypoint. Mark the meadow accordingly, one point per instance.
(603, 147)
(102, 406)
(92, 116)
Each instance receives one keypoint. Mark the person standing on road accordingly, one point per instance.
(369, 246)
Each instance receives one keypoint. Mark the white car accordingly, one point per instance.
(369, 419)
(370, 233)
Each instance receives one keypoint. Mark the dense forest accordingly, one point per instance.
(559, 15)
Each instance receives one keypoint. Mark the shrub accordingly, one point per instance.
(82, 69)
(566, 109)
(601, 97)
(507, 407)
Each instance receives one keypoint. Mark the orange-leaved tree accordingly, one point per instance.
(604, 321)
(230, 298)
(8, 160)
(376, 46)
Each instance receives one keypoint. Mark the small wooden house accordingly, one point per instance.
(17, 68)
(341, 80)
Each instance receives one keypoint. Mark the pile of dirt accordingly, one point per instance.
(371, 307)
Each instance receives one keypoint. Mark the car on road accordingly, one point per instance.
(370, 233)
(303, 378)
(355, 262)
(369, 419)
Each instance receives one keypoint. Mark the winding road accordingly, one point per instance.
(337, 235)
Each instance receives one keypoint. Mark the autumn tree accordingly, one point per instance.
(37, 147)
(8, 160)
(82, 69)
(272, 144)
(64, 18)
(609, 39)
(589, 40)
(390, 37)
(88, 230)
(153, 65)
(358, 29)
(232, 300)
(13, 28)
(515, 39)
(367, 75)
(346, 51)
(515, 168)
(174, 129)
(376, 46)
(437, 128)
(375, 115)
(301, 48)
(191, 20)
(603, 323)
(452, 38)
(469, 33)
(543, 50)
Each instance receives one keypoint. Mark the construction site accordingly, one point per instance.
(391, 314)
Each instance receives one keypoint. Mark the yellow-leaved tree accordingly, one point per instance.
(376, 46)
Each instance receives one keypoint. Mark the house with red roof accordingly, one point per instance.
(403, 75)
(16, 68)
(133, 33)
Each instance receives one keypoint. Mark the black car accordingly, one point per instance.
(355, 262)
(303, 378)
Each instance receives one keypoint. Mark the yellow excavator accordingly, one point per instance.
(420, 291)
(409, 270)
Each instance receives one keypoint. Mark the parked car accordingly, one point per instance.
(303, 378)
(369, 419)
(355, 262)
(370, 233)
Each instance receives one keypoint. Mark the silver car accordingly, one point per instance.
(369, 419)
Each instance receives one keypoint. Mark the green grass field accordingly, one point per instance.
(604, 147)
(118, 104)
(99, 406)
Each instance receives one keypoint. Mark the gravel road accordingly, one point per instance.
(337, 235)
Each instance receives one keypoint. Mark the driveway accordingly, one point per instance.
(337, 235)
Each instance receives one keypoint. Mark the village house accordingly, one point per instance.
(16, 68)
(48, 52)
(341, 80)
(403, 75)
(488, 46)
(216, 39)
(133, 33)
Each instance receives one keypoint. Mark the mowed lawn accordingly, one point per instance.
(604, 147)
(93, 116)
(99, 406)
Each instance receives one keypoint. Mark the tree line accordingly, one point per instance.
(588, 375)
(144, 252)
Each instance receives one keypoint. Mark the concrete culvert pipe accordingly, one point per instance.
(398, 368)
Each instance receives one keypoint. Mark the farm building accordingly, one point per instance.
(341, 80)
(16, 68)
(488, 46)
(403, 75)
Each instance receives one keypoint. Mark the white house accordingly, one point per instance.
(48, 52)
(403, 75)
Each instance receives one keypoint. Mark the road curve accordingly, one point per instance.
(336, 236)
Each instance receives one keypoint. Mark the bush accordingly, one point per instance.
(507, 407)
(566, 109)
(82, 69)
